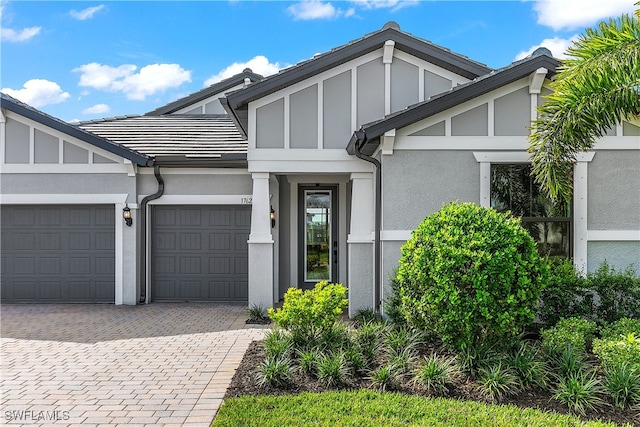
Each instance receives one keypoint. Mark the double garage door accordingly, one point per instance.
(58, 253)
(67, 253)
(199, 253)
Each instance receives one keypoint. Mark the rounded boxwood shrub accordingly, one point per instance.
(470, 274)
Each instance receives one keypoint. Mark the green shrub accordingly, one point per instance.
(614, 352)
(470, 273)
(309, 313)
(621, 328)
(580, 392)
(275, 371)
(565, 295)
(497, 382)
(575, 331)
(277, 344)
(386, 377)
(333, 370)
(604, 296)
(622, 382)
(435, 373)
(618, 293)
(530, 369)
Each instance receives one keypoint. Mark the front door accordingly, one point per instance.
(318, 235)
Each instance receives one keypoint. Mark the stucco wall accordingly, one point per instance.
(59, 183)
(619, 255)
(417, 183)
(614, 191)
(205, 184)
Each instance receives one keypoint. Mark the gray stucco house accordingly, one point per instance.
(321, 171)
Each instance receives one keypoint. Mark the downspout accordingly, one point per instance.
(377, 226)
(143, 224)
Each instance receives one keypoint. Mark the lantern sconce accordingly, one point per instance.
(272, 215)
(126, 214)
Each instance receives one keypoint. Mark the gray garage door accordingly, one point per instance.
(199, 253)
(58, 253)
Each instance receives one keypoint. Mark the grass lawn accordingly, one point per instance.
(371, 408)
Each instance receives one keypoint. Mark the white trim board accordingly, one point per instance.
(233, 199)
(63, 199)
(613, 235)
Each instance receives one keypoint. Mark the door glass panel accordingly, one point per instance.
(317, 236)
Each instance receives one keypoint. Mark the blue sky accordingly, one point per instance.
(84, 60)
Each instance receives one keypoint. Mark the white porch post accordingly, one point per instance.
(260, 242)
(360, 244)
(580, 203)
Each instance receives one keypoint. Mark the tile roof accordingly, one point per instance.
(190, 136)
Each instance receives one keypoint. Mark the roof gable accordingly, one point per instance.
(236, 102)
(12, 104)
(367, 138)
(208, 92)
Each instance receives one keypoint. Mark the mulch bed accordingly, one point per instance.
(244, 383)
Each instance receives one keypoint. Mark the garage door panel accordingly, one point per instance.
(190, 242)
(58, 253)
(209, 244)
(49, 241)
(219, 265)
(50, 266)
(23, 265)
(50, 290)
(22, 241)
(241, 291)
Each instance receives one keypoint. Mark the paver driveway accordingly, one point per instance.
(158, 364)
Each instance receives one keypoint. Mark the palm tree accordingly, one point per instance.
(597, 87)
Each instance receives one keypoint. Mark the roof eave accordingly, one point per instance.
(405, 42)
(234, 117)
(74, 131)
(376, 129)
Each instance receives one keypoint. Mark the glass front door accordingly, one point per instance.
(319, 243)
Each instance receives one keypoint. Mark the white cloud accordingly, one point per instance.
(573, 14)
(38, 93)
(149, 80)
(258, 64)
(556, 45)
(97, 109)
(11, 35)
(385, 4)
(87, 13)
(313, 9)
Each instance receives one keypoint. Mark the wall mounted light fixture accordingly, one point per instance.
(272, 215)
(126, 214)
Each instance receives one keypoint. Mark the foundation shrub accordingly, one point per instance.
(618, 294)
(309, 314)
(565, 295)
(470, 274)
(573, 331)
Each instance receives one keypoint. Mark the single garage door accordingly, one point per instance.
(199, 253)
(58, 253)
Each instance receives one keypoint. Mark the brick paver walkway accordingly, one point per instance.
(159, 364)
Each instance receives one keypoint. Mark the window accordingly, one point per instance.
(549, 223)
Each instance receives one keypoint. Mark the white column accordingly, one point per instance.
(580, 204)
(260, 243)
(126, 253)
(360, 243)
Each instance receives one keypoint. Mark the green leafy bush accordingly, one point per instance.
(575, 331)
(565, 295)
(309, 313)
(470, 273)
(621, 328)
(604, 296)
(618, 293)
(616, 351)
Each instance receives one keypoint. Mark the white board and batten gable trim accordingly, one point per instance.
(386, 54)
(119, 165)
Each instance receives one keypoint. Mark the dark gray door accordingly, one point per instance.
(199, 253)
(58, 253)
